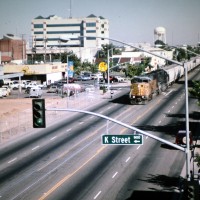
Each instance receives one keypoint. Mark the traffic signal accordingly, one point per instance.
(38, 108)
(191, 190)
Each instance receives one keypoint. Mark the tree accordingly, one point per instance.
(87, 66)
(195, 91)
(179, 54)
(159, 42)
(71, 57)
(103, 53)
(197, 159)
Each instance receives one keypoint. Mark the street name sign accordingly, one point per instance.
(122, 139)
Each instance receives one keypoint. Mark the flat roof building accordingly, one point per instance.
(48, 33)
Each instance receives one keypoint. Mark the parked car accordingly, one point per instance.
(119, 78)
(31, 85)
(112, 79)
(71, 80)
(181, 138)
(1, 94)
(8, 88)
(85, 78)
(53, 89)
(35, 92)
(4, 92)
(78, 78)
(96, 76)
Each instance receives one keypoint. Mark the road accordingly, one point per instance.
(68, 161)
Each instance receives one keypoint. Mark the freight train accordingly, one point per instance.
(144, 87)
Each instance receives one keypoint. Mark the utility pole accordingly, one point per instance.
(70, 10)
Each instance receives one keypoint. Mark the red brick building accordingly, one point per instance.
(13, 49)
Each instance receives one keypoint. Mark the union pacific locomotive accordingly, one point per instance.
(144, 87)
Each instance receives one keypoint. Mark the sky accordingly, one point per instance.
(131, 21)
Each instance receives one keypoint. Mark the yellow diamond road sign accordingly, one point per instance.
(103, 66)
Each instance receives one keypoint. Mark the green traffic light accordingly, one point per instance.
(38, 108)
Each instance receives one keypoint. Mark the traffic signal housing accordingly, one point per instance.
(191, 191)
(38, 108)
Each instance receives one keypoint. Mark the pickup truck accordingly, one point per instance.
(35, 92)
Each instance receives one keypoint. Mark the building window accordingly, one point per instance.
(38, 32)
(90, 38)
(90, 24)
(62, 25)
(90, 31)
(62, 32)
(38, 25)
(39, 39)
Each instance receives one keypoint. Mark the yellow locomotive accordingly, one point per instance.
(144, 87)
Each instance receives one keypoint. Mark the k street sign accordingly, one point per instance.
(122, 139)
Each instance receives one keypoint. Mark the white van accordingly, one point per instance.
(35, 92)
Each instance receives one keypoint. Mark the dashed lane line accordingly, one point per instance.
(35, 148)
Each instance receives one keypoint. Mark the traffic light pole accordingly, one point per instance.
(187, 152)
(122, 124)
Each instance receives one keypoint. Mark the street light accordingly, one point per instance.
(187, 150)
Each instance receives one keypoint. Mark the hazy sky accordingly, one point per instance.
(130, 21)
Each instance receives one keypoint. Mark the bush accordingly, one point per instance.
(197, 159)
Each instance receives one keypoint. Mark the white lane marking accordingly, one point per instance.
(168, 111)
(91, 117)
(109, 108)
(97, 194)
(168, 93)
(128, 159)
(159, 122)
(114, 174)
(147, 137)
(53, 138)
(81, 122)
(12, 160)
(35, 148)
(69, 129)
(172, 106)
(138, 147)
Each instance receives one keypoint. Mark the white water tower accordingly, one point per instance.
(160, 34)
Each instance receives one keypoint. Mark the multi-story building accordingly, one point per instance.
(13, 49)
(56, 35)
